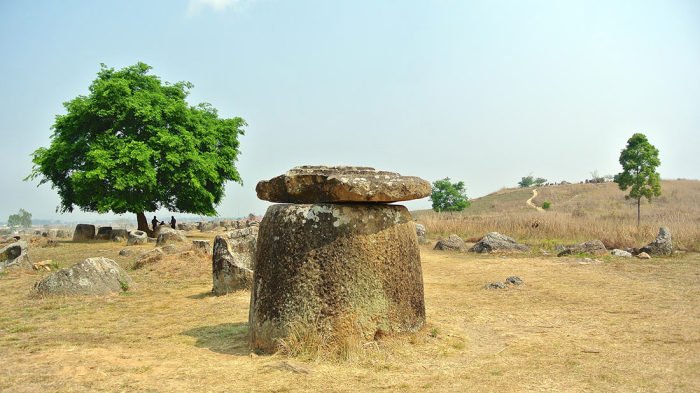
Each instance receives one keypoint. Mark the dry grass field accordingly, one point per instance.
(618, 325)
(578, 212)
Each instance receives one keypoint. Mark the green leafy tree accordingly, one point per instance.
(22, 219)
(448, 196)
(529, 181)
(639, 161)
(134, 144)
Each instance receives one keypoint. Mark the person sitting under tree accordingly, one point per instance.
(154, 223)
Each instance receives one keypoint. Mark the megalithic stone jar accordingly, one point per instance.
(335, 257)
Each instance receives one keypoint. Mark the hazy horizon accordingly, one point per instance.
(483, 92)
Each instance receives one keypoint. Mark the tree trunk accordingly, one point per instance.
(142, 223)
(639, 201)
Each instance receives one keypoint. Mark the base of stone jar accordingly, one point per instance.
(336, 270)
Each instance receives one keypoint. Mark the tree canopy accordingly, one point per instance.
(448, 196)
(22, 219)
(639, 160)
(134, 144)
(529, 181)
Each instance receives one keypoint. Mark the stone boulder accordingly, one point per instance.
(452, 243)
(593, 247)
(494, 241)
(661, 246)
(243, 243)
(643, 255)
(331, 266)
(149, 257)
(169, 235)
(84, 232)
(207, 226)
(62, 233)
(187, 226)
(420, 234)
(15, 255)
(202, 245)
(322, 184)
(620, 253)
(93, 276)
(119, 235)
(127, 252)
(230, 272)
(103, 233)
(136, 238)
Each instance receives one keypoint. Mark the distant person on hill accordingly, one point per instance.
(172, 222)
(154, 223)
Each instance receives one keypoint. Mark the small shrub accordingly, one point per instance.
(546, 205)
(124, 285)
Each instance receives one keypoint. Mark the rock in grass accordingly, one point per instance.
(230, 269)
(662, 245)
(15, 255)
(643, 255)
(168, 235)
(149, 257)
(494, 241)
(514, 280)
(136, 238)
(202, 245)
(496, 285)
(84, 232)
(452, 243)
(620, 253)
(594, 247)
(119, 235)
(93, 276)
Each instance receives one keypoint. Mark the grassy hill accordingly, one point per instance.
(578, 212)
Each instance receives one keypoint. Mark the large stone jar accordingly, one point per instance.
(342, 269)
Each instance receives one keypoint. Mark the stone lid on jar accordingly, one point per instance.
(328, 184)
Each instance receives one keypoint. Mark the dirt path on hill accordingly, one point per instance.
(529, 201)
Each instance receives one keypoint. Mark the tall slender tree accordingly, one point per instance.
(134, 144)
(639, 160)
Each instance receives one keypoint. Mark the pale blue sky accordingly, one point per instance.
(484, 92)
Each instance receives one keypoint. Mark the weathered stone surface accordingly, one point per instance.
(15, 255)
(643, 255)
(84, 232)
(127, 252)
(662, 245)
(453, 243)
(230, 272)
(119, 235)
(594, 247)
(207, 226)
(243, 243)
(620, 253)
(93, 276)
(136, 238)
(496, 285)
(187, 226)
(494, 241)
(203, 245)
(321, 184)
(149, 257)
(169, 235)
(420, 230)
(325, 266)
(103, 233)
(514, 280)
